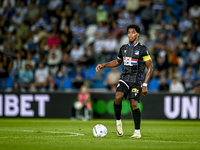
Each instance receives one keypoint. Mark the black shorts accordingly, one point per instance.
(130, 90)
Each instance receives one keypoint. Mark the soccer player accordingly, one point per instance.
(135, 57)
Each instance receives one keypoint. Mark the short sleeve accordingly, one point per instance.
(146, 54)
(120, 56)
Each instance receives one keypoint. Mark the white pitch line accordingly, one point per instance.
(162, 141)
(157, 141)
(37, 137)
(168, 141)
(9, 137)
(79, 134)
(73, 133)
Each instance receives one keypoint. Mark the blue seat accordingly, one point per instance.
(167, 19)
(168, 81)
(97, 81)
(99, 84)
(57, 80)
(91, 72)
(67, 83)
(8, 83)
(170, 2)
(153, 85)
(120, 67)
(106, 71)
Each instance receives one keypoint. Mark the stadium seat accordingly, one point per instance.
(168, 81)
(97, 81)
(170, 2)
(153, 85)
(167, 19)
(106, 71)
(67, 83)
(98, 84)
(8, 83)
(120, 67)
(91, 72)
(57, 80)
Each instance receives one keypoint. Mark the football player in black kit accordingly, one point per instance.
(135, 57)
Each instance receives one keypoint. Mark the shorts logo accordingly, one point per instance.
(128, 61)
(135, 91)
(136, 52)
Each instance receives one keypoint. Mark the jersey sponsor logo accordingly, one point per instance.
(136, 52)
(124, 51)
(128, 61)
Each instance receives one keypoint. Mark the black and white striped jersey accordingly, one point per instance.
(134, 57)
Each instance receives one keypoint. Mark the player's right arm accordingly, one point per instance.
(113, 63)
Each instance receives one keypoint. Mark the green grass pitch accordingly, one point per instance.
(65, 134)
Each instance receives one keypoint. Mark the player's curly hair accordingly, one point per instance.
(136, 27)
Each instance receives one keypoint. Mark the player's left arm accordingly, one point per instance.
(149, 66)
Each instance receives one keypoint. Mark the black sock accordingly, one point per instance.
(118, 109)
(137, 118)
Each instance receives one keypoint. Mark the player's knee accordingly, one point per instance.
(134, 105)
(118, 98)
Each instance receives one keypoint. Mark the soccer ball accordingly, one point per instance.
(78, 105)
(99, 130)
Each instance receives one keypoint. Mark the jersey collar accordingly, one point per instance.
(132, 45)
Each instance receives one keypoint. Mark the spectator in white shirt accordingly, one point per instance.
(17, 19)
(41, 75)
(11, 2)
(22, 9)
(53, 4)
(78, 32)
(30, 61)
(54, 59)
(185, 23)
(194, 11)
(110, 48)
(193, 57)
(76, 53)
(176, 86)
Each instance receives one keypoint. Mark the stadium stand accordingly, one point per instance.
(26, 26)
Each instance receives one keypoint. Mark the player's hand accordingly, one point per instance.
(99, 66)
(144, 90)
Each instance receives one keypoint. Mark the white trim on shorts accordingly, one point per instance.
(119, 58)
(124, 83)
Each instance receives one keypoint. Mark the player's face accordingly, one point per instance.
(132, 35)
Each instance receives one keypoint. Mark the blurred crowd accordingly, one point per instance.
(45, 42)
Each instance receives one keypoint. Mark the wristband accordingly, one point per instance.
(144, 84)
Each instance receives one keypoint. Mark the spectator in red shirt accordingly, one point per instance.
(53, 39)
